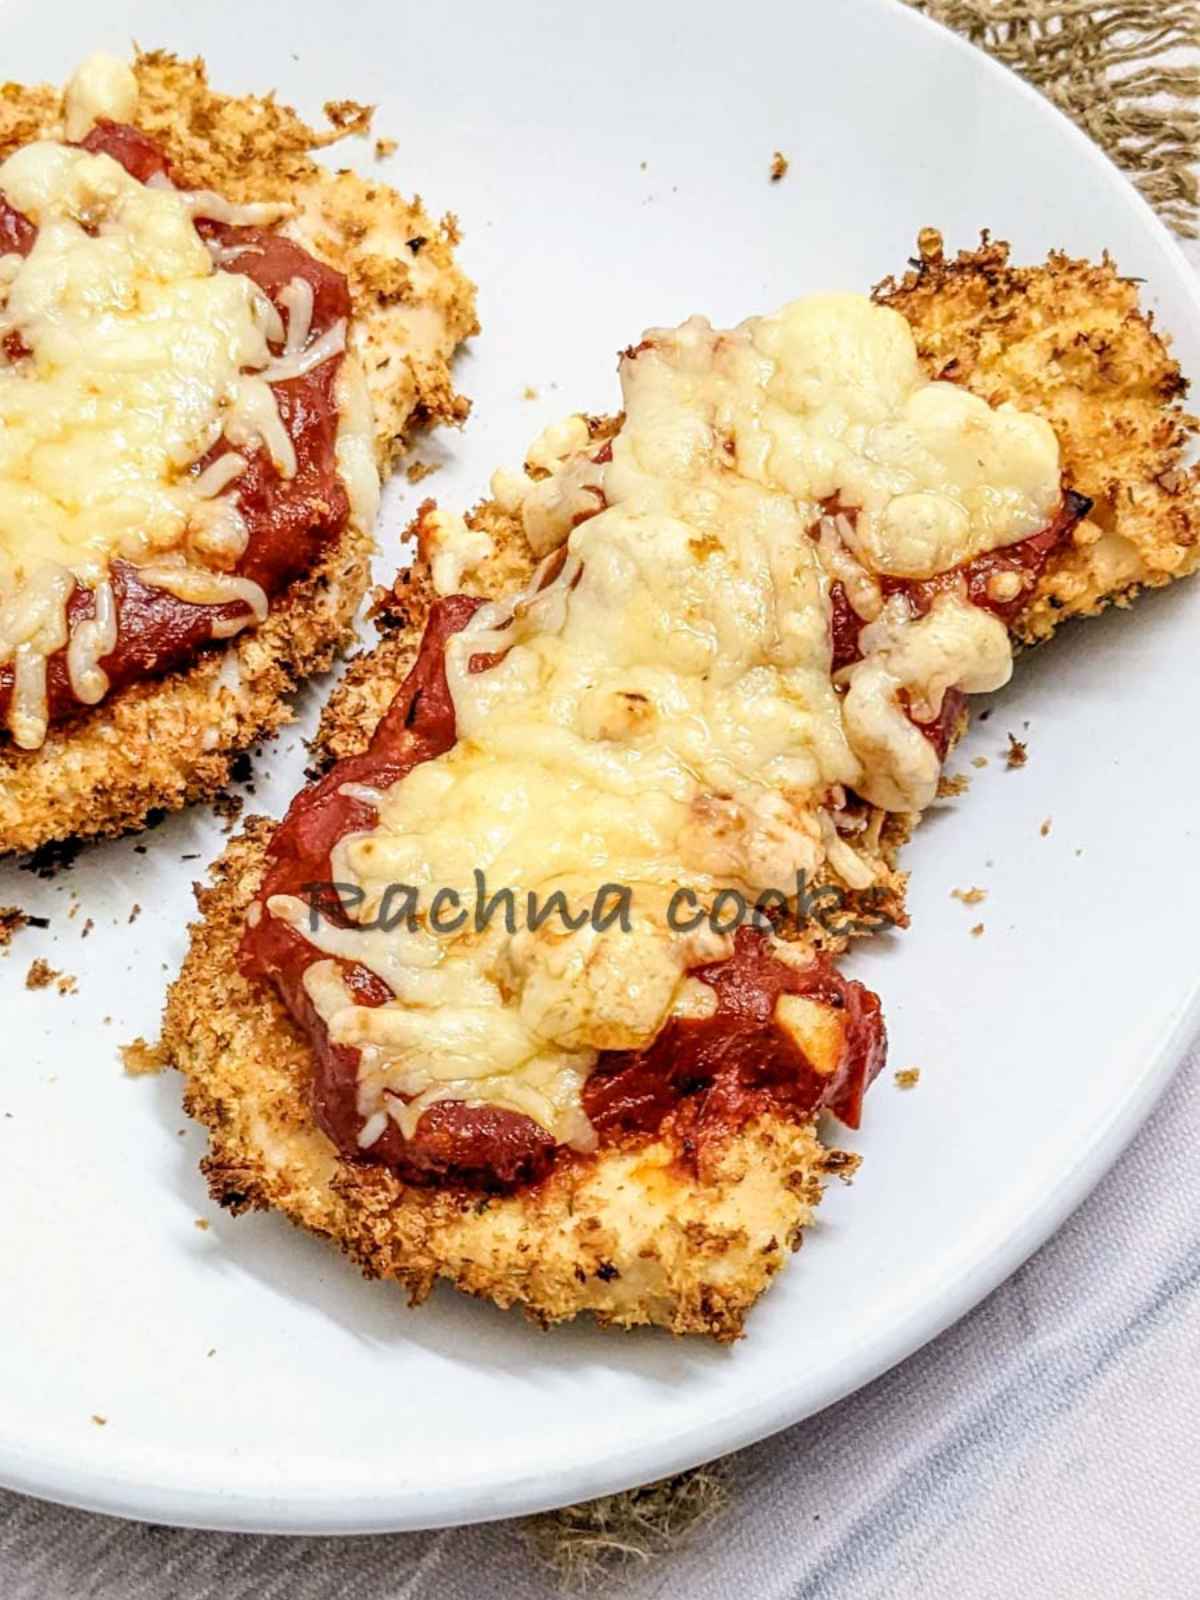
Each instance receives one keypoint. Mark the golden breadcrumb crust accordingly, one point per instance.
(688, 1256)
(1068, 340)
(628, 1235)
(162, 743)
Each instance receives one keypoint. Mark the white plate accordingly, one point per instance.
(609, 165)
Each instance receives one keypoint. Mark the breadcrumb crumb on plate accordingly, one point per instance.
(141, 1059)
(40, 975)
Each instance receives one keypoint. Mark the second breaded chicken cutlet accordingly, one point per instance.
(682, 1214)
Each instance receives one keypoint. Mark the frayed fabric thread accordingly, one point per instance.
(1103, 66)
(589, 1546)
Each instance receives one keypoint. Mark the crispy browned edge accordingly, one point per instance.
(626, 1235)
(1068, 340)
(159, 745)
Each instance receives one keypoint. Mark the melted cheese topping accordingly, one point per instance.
(136, 349)
(664, 712)
(102, 87)
(142, 354)
(452, 548)
(355, 447)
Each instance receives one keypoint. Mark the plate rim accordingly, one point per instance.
(405, 1509)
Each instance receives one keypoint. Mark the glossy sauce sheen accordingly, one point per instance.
(712, 1073)
(719, 1070)
(289, 521)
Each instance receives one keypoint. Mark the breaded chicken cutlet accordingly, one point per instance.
(648, 1147)
(165, 589)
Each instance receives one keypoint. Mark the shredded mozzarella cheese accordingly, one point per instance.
(254, 419)
(219, 475)
(297, 299)
(452, 548)
(200, 587)
(295, 364)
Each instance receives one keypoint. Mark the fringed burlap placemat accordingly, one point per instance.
(1129, 75)
(1121, 72)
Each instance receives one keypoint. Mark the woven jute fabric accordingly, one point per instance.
(1127, 74)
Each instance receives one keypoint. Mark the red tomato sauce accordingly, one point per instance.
(1026, 560)
(700, 1078)
(717, 1071)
